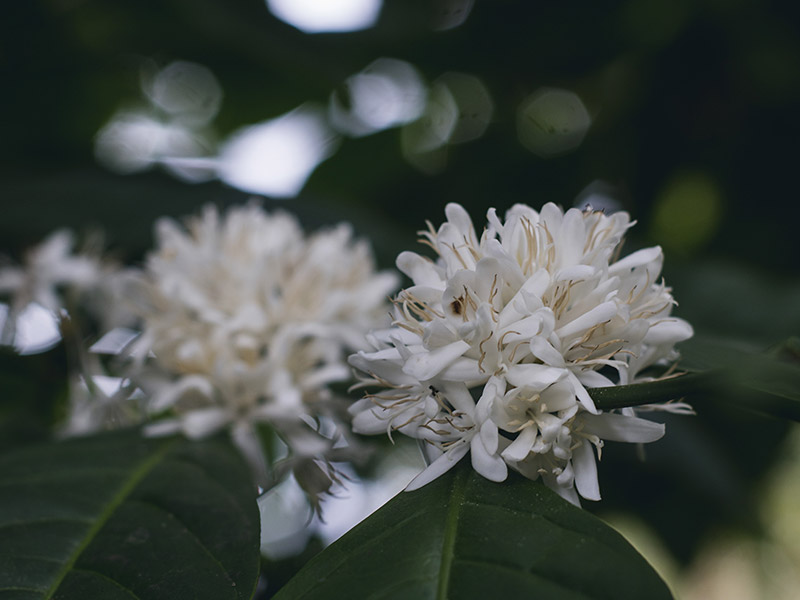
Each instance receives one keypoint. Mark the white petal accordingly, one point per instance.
(574, 273)
(571, 238)
(586, 471)
(491, 466)
(159, 428)
(583, 396)
(463, 369)
(426, 365)
(534, 286)
(170, 394)
(600, 313)
(620, 428)
(485, 272)
(489, 436)
(536, 377)
(559, 396)
(440, 466)
(493, 390)
(421, 270)
(523, 329)
(568, 493)
(669, 331)
(368, 422)
(593, 379)
(201, 423)
(438, 334)
(459, 217)
(458, 395)
(638, 258)
(545, 352)
(246, 439)
(521, 447)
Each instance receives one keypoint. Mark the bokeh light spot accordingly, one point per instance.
(599, 195)
(185, 90)
(35, 330)
(319, 16)
(473, 105)
(552, 122)
(387, 93)
(459, 109)
(276, 158)
(448, 14)
(687, 212)
(132, 142)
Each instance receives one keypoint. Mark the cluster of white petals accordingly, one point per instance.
(48, 271)
(245, 319)
(494, 345)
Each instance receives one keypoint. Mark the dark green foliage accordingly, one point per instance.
(120, 516)
(463, 537)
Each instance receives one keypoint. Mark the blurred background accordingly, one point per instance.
(379, 112)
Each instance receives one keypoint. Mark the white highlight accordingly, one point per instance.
(387, 93)
(36, 329)
(277, 157)
(318, 16)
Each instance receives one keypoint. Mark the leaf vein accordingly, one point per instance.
(141, 471)
(449, 538)
(28, 557)
(518, 571)
(125, 589)
(46, 520)
(192, 535)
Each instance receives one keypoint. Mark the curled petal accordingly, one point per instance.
(421, 270)
(485, 463)
(201, 423)
(621, 428)
(426, 365)
(521, 447)
(440, 466)
(586, 472)
(535, 377)
(638, 258)
(669, 331)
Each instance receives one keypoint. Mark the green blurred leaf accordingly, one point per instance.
(464, 537)
(33, 388)
(762, 381)
(119, 516)
(766, 381)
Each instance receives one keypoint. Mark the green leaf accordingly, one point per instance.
(768, 382)
(123, 517)
(463, 537)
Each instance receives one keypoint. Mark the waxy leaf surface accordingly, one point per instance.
(462, 537)
(122, 517)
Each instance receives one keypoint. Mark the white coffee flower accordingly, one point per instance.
(494, 345)
(247, 320)
(48, 271)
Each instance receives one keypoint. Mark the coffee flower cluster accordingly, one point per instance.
(494, 345)
(245, 320)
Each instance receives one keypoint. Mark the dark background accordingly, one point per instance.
(679, 91)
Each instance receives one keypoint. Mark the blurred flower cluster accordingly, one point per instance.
(240, 322)
(236, 322)
(494, 345)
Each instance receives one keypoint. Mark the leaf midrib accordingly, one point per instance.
(450, 529)
(122, 494)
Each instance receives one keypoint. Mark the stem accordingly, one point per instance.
(620, 396)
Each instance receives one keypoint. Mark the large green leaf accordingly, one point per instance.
(119, 516)
(463, 537)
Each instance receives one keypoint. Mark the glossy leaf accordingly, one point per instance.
(119, 516)
(464, 537)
